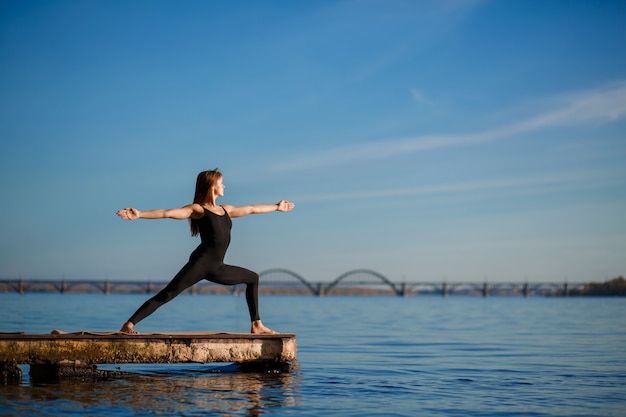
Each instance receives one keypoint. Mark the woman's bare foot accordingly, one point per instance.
(128, 328)
(258, 328)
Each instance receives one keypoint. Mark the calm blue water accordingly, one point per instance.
(358, 356)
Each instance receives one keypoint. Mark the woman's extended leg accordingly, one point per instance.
(189, 275)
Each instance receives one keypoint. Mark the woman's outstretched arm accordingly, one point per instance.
(240, 211)
(193, 211)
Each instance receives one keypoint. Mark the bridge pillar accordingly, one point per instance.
(321, 290)
(404, 290)
(485, 290)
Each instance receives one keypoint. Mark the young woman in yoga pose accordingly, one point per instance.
(213, 223)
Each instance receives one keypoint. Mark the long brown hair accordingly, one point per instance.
(205, 181)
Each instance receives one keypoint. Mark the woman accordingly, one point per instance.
(213, 224)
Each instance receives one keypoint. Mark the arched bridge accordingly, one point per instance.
(364, 278)
(349, 282)
(279, 277)
(284, 281)
(367, 281)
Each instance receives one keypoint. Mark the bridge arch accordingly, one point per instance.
(375, 274)
(298, 277)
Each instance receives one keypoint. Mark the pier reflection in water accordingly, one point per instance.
(173, 389)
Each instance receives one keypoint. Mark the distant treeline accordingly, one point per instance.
(614, 287)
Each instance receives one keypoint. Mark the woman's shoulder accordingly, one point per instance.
(197, 211)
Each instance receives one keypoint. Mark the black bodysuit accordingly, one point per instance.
(207, 262)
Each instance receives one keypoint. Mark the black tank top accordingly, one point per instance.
(215, 232)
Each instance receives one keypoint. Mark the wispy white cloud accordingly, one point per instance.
(602, 105)
(535, 184)
(418, 96)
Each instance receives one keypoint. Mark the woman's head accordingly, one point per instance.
(206, 181)
(208, 187)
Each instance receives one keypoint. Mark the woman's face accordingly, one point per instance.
(219, 188)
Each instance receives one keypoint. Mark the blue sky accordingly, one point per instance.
(457, 140)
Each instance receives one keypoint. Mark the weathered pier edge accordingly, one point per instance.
(60, 356)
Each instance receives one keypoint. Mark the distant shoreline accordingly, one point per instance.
(613, 288)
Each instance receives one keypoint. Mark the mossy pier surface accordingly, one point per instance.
(91, 348)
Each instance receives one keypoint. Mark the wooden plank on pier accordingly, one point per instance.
(114, 348)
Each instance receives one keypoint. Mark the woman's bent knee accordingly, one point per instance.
(254, 278)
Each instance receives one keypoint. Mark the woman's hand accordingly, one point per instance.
(128, 213)
(284, 205)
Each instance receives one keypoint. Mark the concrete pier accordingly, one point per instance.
(81, 351)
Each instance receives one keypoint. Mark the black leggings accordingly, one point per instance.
(195, 271)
